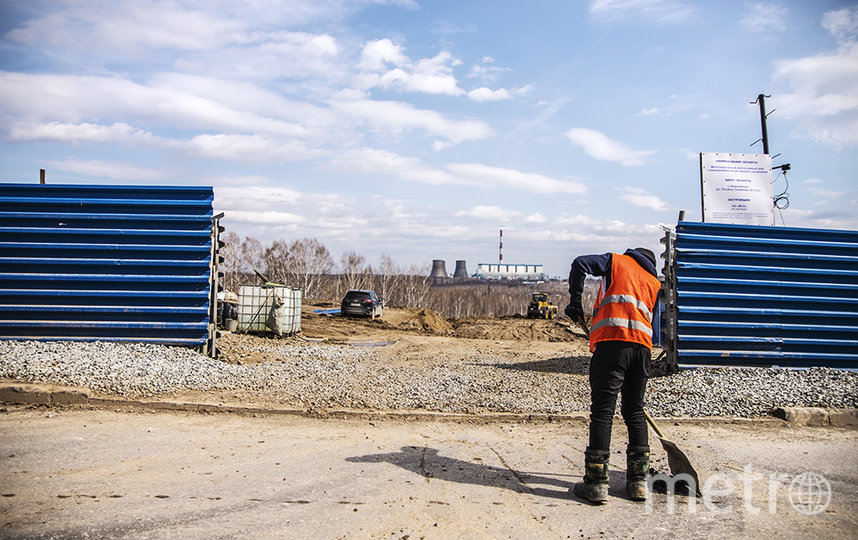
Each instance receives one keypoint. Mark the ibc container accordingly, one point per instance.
(269, 308)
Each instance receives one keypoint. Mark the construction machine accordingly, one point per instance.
(540, 307)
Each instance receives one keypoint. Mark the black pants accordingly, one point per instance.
(618, 367)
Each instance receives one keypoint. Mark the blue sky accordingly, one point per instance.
(418, 129)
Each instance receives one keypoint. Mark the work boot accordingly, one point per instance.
(637, 464)
(594, 488)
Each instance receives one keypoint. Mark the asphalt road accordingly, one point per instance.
(105, 474)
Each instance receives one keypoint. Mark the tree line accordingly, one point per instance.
(305, 263)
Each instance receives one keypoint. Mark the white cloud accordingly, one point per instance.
(824, 96)
(842, 24)
(819, 219)
(400, 116)
(238, 95)
(598, 145)
(592, 235)
(369, 160)
(115, 170)
(671, 109)
(270, 55)
(431, 76)
(114, 27)
(75, 99)
(378, 53)
(487, 94)
(233, 147)
(690, 155)
(486, 71)
(428, 75)
(249, 148)
(232, 110)
(656, 11)
(764, 17)
(268, 217)
(494, 177)
(78, 133)
(465, 174)
(643, 199)
(536, 218)
(488, 213)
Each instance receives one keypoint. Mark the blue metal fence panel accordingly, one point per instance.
(762, 296)
(113, 263)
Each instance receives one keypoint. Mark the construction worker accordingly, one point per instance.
(621, 343)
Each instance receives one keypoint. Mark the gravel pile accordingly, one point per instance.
(327, 376)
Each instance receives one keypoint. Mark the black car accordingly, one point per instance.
(361, 303)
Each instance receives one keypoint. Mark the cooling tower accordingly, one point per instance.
(461, 271)
(439, 269)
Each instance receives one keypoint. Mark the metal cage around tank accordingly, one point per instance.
(111, 263)
(762, 296)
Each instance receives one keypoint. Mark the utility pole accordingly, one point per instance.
(761, 99)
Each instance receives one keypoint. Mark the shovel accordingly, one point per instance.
(676, 459)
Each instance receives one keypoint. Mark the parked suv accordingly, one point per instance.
(361, 303)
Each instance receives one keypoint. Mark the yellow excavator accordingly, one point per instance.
(540, 307)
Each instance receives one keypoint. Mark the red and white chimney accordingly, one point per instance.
(500, 248)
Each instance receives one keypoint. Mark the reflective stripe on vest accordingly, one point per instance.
(629, 299)
(625, 311)
(623, 323)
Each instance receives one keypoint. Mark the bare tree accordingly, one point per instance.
(416, 286)
(357, 273)
(276, 261)
(309, 261)
(252, 255)
(240, 259)
(386, 278)
(231, 265)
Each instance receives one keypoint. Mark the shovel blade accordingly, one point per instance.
(679, 463)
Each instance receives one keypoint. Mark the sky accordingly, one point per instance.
(419, 129)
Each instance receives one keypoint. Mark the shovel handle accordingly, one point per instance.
(583, 326)
(652, 424)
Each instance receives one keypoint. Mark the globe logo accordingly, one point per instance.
(810, 493)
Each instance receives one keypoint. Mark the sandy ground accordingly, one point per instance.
(410, 335)
(105, 474)
(75, 473)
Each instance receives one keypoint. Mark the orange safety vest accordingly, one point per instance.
(624, 311)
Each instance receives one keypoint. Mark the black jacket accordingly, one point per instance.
(599, 265)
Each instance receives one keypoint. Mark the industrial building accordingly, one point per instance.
(527, 272)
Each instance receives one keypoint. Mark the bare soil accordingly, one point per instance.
(413, 335)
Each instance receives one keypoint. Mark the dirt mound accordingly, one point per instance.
(421, 320)
(429, 322)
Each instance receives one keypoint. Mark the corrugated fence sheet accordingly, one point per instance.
(760, 296)
(113, 263)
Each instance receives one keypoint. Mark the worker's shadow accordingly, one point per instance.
(579, 365)
(426, 462)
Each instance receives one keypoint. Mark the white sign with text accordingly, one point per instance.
(737, 188)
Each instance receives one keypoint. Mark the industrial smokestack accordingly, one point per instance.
(439, 269)
(500, 248)
(461, 271)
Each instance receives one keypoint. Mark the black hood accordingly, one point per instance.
(643, 260)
